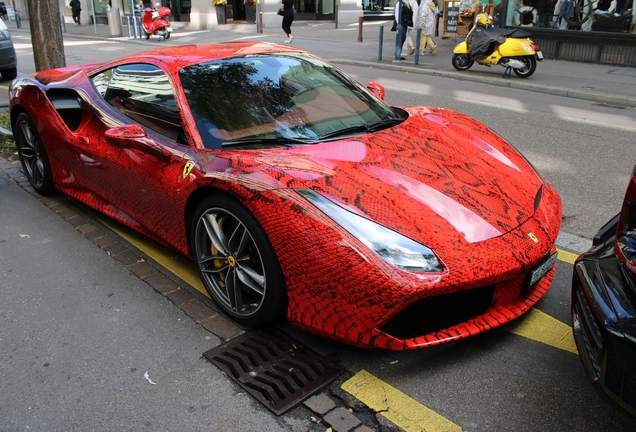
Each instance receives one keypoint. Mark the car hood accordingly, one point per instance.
(436, 174)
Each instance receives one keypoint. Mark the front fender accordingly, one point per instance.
(461, 48)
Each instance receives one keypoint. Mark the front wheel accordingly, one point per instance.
(236, 261)
(167, 35)
(147, 35)
(32, 154)
(462, 62)
(530, 66)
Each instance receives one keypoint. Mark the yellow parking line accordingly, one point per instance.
(566, 256)
(541, 327)
(4, 87)
(166, 257)
(397, 407)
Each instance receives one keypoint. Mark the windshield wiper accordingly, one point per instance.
(364, 128)
(284, 141)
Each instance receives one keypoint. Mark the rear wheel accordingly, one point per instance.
(530, 66)
(147, 34)
(236, 261)
(167, 35)
(462, 62)
(33, 157)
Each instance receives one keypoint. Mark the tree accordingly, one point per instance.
(46, 34)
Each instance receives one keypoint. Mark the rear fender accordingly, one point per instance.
(516, 47)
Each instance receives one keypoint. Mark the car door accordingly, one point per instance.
(139, 162)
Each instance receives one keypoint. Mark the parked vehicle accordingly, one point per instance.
(8, 58)
(489, 46)
(154, 22)
(604, 305)
(297, 191)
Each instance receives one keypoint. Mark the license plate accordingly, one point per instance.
(539, 55)
(539, 271)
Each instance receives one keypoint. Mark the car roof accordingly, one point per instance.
(185, 55)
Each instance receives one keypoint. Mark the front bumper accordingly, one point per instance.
(602, 316)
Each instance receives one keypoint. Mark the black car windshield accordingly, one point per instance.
(269, 99)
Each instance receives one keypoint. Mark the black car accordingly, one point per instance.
(604, 305)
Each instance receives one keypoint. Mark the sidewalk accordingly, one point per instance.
(598, 83)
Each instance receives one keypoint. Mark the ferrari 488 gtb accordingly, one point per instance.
(297, 191)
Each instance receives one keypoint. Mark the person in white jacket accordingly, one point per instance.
(425, 20)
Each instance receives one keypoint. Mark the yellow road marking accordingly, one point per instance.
(4, 87)
(397, 407)
(169, 259)
(566, 256)
(541, 327)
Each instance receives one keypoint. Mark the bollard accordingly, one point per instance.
(260, 22)
(417, 46)
(360, 21)
(381, 43)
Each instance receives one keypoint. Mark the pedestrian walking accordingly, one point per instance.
(76, 8)
(287, 8)
(425, 21)
(403, 19)
(409, 47)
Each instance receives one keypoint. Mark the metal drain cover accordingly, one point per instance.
(272, 367)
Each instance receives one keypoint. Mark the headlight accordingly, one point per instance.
(4, 35)
(392, 247)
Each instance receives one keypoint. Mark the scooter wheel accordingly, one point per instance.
(530, 66)
(147, 34)
(462, 62)
(167, 35)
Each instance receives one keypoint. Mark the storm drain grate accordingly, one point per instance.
(272, 367)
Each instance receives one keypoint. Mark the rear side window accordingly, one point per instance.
(143, 93)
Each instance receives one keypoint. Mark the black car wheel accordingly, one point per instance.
(9, 74)
(530, 66)
(462, 62)
(236, 261)
(33, 157)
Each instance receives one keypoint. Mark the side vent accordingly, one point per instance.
(68, 106)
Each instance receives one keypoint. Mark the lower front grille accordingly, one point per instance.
(587, 334)
(439, 312)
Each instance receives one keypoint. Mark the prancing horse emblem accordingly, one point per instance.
(187, 169)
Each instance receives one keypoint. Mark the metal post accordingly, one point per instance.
(94, 18)
(128, 26)
(260, 22)
(398, 37)
(417, 46)
(336, 9)
(360, 21)
(381, 43)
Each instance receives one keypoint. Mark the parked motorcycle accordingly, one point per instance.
(154, 22)
(486, 45)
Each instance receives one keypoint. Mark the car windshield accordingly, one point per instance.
(279, 99)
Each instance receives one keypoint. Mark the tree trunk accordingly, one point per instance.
(46, 34)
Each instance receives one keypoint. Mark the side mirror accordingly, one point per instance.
(376, 88)
(134, 137)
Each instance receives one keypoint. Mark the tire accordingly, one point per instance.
(9, 74)
(167, 35)
(462, 62)
(147, 35)
(33, 157)
(236, 262)
(531, 66)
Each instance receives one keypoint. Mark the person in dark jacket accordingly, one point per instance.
(287, 6)
(76, 8)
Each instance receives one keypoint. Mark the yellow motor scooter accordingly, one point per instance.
(488, 46)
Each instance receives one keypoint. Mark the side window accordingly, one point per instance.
(143, 93)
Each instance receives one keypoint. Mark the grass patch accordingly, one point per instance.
(7, 146)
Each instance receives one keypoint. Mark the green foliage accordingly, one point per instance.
(7, 146)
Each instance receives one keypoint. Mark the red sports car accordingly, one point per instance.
(297, 191)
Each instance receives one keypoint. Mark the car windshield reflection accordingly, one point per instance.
(268, 99)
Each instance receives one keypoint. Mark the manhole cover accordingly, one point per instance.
(272, 367)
